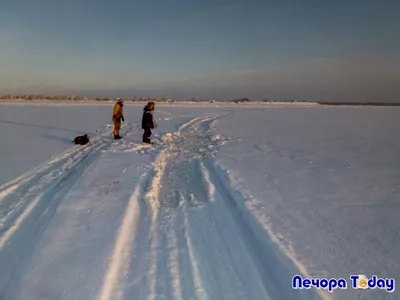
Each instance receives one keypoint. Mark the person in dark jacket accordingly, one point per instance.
(148, 122)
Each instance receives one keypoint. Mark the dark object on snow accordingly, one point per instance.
(147, 121)
(81, 140)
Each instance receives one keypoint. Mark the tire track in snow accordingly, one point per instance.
(189, 123)
(33, 221)
(40, 204)
(186, 265)
(173, 260)
(39, 171)
(277, 258)
(25, 181)
(48, 189)
(200, 291)
(15, 212)
(9, 233)
(122, 249)
(153, 198)
(216, 190)
(164, 265)
(209, 257)
(217, 249)
(152, 281)
(210, 267)
(209, 186)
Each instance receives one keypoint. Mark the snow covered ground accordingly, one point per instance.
(230, 203)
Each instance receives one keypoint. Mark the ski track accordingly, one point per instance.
(184, 234)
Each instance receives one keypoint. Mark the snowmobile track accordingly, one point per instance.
(54, 163)
(25, 212)
(276, 270)
(200, 243)
(188, 188)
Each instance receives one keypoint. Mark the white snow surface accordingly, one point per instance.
(229, 203)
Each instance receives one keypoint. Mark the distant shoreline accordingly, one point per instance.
(359, 103)
(202, 103)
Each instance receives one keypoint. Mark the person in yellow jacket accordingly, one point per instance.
(118, 115)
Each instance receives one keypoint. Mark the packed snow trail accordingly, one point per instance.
(103, 222)
(191, 243)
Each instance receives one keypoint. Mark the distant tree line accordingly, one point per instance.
(40, 97)
(77, 98)
(170, 100)
(133, 99)
(361, 103)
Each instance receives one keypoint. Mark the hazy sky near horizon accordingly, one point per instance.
(344, 50)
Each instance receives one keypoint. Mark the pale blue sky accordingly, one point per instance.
(212, 48)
